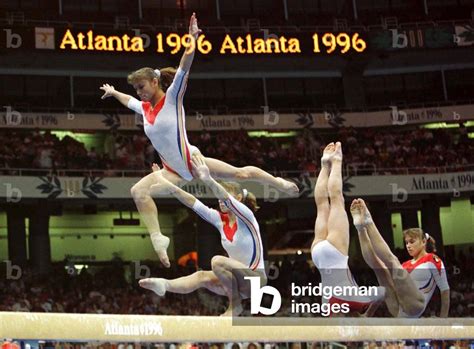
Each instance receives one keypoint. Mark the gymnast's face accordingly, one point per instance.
(223, 207)
(146, 89)
(414, 245)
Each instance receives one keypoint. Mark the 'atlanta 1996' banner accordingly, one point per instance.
(267, 120)
(397, 187)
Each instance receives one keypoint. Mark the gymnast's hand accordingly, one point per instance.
(155, 167)
(108, 90)
(194, 30)
(200, 168)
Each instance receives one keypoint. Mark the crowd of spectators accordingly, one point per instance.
(113, 289)
(366, 151)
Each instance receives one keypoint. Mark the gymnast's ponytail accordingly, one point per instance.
(248, 198)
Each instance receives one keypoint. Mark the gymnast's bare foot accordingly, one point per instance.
(338, 152)
(154, 284)
(160, 244)
(287, 186)
(328, 153)
(360, 214)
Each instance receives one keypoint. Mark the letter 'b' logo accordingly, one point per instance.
(256, 295)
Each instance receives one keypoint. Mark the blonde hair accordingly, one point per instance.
(164, 80)
(418, 233)
(248, 198)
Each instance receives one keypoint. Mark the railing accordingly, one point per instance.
(351, 169)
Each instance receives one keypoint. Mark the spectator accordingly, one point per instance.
(367, 151)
